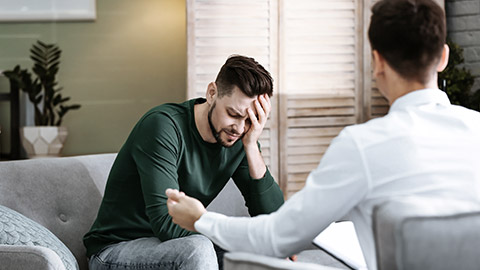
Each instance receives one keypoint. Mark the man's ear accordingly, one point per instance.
(378, 64)
(211, 92)
(444, 59)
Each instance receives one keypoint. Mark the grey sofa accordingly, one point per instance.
(63, 195)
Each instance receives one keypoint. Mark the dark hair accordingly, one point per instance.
(245, 73)
(409, 34)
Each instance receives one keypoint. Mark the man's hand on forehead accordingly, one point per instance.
(265, 105)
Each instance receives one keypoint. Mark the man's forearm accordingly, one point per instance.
(256, 164)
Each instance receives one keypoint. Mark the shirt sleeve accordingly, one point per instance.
(155, 151)
(338, 184)
(262, 196)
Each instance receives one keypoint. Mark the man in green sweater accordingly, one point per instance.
(196, 147)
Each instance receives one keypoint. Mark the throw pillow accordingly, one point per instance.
(16, 229)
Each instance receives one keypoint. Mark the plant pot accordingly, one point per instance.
(43, 141)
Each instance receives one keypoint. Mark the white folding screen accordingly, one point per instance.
(317, 53)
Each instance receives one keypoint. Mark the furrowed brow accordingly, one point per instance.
(234, 111)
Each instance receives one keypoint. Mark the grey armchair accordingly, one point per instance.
(427, 233)
(414, 233)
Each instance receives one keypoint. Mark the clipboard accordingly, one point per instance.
(341, 242)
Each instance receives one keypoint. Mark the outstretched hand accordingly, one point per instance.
(184, 210)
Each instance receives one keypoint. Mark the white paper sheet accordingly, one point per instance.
(340, 240)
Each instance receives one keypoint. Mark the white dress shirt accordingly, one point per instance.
(423, 146)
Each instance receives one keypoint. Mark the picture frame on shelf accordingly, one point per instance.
(47, 10)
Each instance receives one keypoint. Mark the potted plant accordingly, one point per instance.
(457, 81)
(46, 138)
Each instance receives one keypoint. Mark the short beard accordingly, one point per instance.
(215, 133)
(210, 123)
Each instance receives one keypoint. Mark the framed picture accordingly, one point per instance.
(47, 10)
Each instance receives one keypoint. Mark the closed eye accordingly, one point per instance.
(236, 116)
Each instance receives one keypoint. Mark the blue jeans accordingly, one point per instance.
(192, 252)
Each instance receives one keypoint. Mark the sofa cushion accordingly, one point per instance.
(16, 229)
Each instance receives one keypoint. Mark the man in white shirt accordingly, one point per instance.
(423, 146)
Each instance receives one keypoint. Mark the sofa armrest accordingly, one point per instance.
(29, 258)
(248, 261)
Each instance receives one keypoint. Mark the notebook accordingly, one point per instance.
(340, 241)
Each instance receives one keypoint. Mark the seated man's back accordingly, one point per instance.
(424, 146)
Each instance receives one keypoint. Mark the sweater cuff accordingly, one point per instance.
(261, 185)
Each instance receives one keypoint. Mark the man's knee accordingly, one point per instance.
(199, 253)
(201, 246)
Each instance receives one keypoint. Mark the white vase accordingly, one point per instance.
(43, 141)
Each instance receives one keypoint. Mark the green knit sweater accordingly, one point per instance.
(165, 150)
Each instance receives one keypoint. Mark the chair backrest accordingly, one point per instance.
(62, 194)
(427, 233)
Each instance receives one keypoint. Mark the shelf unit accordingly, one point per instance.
(14, 98)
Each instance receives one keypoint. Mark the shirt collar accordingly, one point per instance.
(419, 97)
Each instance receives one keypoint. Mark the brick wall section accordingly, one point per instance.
(463, 24)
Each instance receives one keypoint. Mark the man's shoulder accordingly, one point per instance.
(169, 113)
(465, 113)
(171, 109)
(168, 118)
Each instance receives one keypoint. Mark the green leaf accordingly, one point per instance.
(53, 68)
(36, 53)
(42, 44)
(38, 99)
(37, 60)
(54, 59)
(75, 107)
(38, 50)
(57, 100)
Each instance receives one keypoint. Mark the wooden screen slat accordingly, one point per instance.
(317, 53)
